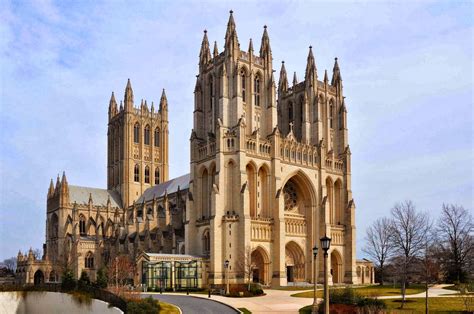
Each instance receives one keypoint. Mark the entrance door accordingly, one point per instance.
(289, 274)
(255, 276)
(38, 278)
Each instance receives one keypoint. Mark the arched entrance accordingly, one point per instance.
(52, 276)
(39, 277)
(260, 263)
(336, 267)
(294, 261)
(298, 200)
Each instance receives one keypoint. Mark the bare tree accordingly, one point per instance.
(37, 253)
(455, 230)
(379, 245)
(409, 233)
(121, 271)
(247, 265)
(10, 263)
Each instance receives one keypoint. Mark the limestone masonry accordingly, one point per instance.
(270, 174)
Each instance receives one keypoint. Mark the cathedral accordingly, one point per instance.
(270, 174)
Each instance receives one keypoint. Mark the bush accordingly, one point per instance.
(68, 282)
(84, 281)
(344, 296)
(372, 304)
(256, 289)
(143, 306)
(102, 278)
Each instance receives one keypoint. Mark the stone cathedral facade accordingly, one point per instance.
(270, 174)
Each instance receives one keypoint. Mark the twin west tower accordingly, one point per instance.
(270, 167)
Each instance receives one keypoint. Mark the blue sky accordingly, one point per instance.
(407, 68)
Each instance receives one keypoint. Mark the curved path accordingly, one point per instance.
(190, 304)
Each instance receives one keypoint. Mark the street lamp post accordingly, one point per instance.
(315, 279)
(226, 267)
(325, 245)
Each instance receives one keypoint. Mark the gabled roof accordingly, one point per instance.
(169, 187)
(81, 194)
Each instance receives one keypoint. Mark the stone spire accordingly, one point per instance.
(58, 184)
(310, 65)
(265, 48)
(326, 80)
(112, 106)
(250, 47)
(336, 73)
(295, 79)
(215, 52)
(205, 54)
(283, 84)
(51, 188)
(128, 99)
(64, 184)
(163, 103)
(231, 40)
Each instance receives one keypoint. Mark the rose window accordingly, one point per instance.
(291, 197)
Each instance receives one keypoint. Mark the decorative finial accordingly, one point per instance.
(231, 11)
(265, 26)
(205, 31)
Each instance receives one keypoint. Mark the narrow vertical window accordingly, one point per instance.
(157, 137)
(89, 260)
(136, 133)
(147, 135)
(290, 112)
(331, 115)
(147, 174)
(82, 225)
(244, 83)
(137, 173)
(257, 91)
(157, 176)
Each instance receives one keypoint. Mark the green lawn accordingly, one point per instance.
(449, 304)
(166, 308)
(369, 291)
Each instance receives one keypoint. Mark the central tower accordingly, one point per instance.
(137, 149)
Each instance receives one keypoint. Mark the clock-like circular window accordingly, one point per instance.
(291, 197)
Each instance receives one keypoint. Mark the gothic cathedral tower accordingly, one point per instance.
(137, 146)
(269, 176)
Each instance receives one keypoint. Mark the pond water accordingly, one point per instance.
(37, 302)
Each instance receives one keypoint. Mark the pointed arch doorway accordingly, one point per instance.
(260, 266)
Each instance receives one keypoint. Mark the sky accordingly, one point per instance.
(407, 69)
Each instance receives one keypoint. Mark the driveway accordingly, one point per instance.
(190, 304)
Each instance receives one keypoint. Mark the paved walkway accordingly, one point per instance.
(190, 305)
(434, 291)
(275, 301)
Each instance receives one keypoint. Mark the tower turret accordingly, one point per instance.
(128, 99)
(265, 49)
(205, 53)
(231, 39)
(51, 189)
(336, 74)
(112, 106)
(215, 53)
(283, 83)
(310, 73)
(164, 105)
